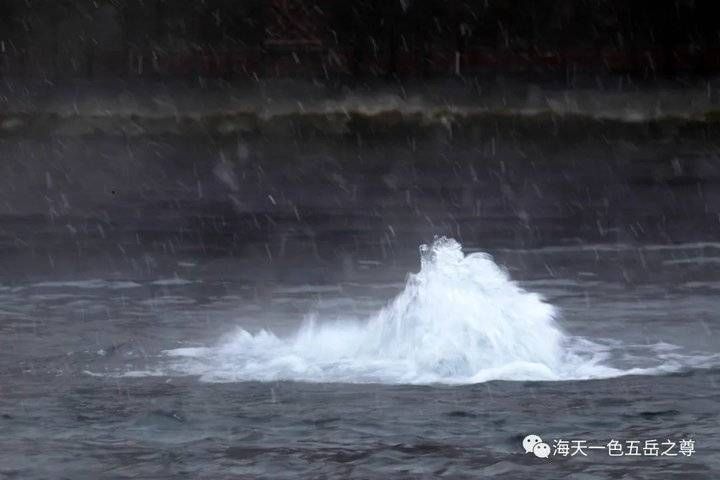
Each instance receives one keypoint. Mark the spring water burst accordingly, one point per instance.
(461, 319)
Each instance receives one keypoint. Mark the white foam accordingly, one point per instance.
(461, 319)
(89, 284)
(692, 260)
(171, 282)
(613, 247)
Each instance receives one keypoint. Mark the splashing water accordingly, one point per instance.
(461, 319)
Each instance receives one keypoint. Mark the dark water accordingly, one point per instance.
(105, 265)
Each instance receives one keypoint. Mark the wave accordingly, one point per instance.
(132, 109)
(461, 319)
(347, 123)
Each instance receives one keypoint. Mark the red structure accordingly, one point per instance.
(293, 23)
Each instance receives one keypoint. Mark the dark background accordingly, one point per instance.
(578, 120)
(326, 39)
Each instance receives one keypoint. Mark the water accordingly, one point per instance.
(185, 331)
(152, 377)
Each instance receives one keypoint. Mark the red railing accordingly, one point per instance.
(289, 59)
